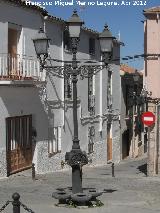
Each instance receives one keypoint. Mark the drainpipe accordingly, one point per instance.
(62, 84)
(100, 100)
(156, 147)
(133, 135)
(133, 127)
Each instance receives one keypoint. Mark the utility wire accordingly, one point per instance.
(126, 58)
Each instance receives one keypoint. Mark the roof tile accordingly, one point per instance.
(152, 10)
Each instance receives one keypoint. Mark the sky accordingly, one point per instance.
(124, 18)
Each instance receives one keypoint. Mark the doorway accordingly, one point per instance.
(19, 143)
(125, 144)
(14, 34)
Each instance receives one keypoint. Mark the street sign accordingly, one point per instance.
(148, 118)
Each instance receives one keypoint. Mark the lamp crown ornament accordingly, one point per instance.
(106, 26)
(106, 32)
(75, 18)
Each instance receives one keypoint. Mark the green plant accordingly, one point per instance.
(72, 204)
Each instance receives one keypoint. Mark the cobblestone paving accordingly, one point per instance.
(130, 190)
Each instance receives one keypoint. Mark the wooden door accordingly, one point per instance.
(109, 143)
(19, 143)
(12, 51)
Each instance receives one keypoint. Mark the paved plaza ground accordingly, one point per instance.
(129, 191)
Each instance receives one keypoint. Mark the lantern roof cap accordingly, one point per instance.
(75, 18)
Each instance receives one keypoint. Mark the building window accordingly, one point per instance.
(67, 87)
(109, 90)
(91, 134)
(66, 40)
(54, 145)
(14, 48)
(91, 46)
(127, 98)
(91, 94)
(135, 104)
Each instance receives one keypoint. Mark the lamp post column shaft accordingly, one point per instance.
(74, 81)
(76, 170)
(75, 121)
(76, 179)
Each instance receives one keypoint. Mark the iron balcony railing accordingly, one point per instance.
(16, 67)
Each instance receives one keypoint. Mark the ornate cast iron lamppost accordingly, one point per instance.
(76, 158)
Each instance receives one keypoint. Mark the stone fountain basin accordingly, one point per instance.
(81, 197)
(95, 193)
(61, 195)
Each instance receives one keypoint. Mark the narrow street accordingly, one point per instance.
(129, 191)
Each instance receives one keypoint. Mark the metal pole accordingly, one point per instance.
(74, 81)
(113, 170)
(133, 129)
(75, 121)
(16, 203)
(156, 148)
(148, 164)
(76, 170)
(75, 158)
(33, 172)
(157, 145)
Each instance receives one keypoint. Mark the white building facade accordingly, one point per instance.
(36, 107)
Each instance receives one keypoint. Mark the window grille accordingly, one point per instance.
(67, 87)
(91, 134)
(109, 90)
(19, 131)
(91, 95)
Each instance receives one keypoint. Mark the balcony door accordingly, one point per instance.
(12, 52)
(14, 49)
(19, 143)
(12, 42)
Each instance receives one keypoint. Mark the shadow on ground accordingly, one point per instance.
(143, 168)
(109, 190)
(105, 174)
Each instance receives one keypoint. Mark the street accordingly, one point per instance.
(130, 190)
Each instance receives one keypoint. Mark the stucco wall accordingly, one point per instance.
(116, 106)
(28, 22)
(19, 101)
(152, 42)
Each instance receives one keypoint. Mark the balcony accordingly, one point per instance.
(20, 70)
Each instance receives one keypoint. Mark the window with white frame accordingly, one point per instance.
(91, 94)
(109, 90)
(54, 144)
(91, 134)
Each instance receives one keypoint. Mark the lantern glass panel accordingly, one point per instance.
(74, 30)
(41, 46)
(106, 44)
